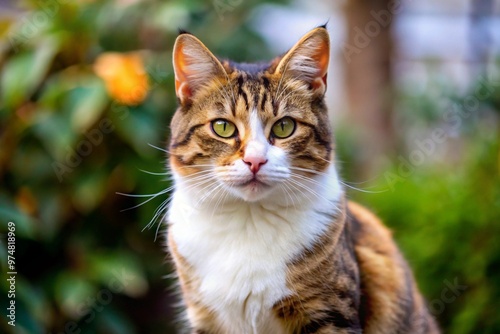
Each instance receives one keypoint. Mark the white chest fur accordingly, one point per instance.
(240, 251)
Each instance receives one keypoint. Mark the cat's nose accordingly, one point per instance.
(254, 162)
(255, 155)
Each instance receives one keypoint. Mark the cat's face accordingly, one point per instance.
(251, 131)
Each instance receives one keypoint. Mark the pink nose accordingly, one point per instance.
(254, 162)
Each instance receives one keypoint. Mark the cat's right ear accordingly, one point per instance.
(194, 66)
(308, 59)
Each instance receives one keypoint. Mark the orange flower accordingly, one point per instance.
(26, 201)
(124, 75)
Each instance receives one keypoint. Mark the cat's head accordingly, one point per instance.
(251, 131)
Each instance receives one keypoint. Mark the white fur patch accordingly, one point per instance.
(240, 249)
(256, 128)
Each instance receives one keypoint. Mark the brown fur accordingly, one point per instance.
(353, 279)
(368, 287)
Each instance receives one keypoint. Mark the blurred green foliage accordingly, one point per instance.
(444, 208)
(84, 264)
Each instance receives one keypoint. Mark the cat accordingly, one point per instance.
(261, 235)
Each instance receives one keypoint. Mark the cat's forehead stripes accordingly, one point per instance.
(250, 96)
(241, 93)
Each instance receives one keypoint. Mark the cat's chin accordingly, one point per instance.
(252, 191)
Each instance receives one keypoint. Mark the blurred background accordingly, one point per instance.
(87, 93)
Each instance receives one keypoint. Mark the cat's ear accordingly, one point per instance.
(308, 59)
(194, 66)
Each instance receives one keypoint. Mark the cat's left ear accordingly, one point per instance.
(308, 59)
(194, 66)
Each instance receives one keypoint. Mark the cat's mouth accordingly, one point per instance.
(254, 182)
(252, 189)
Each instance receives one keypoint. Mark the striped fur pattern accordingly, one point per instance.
(261, 235)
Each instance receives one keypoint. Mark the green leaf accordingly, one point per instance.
(113, 322)
(86, 103)
(72, 293)
(89, 191)
(36, 304)
(25, 225)
(136, 126)
(24, 72)
(121, 272)
(54, 130)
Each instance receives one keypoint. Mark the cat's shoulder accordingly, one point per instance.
(369, 231)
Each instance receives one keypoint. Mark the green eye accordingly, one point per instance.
(223, 128)
(283, 128)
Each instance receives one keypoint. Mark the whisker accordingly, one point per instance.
(306, 188)
(198, 175)
(288, 196)
(207, 195)
(308, 170)
(295, 190)
(361, 182)
(293, 193)
(146, 195)
(207, 180)
(157, 212)
(308, 179)
(156, 173)
(326, 160)
(158, 228)
(311, 180)
(159, 148)
(342, 182)
(219, 200)
(195, 166)
(197, 179)
(146, 201)
(363, 190)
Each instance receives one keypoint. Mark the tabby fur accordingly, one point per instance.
(260, 232)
